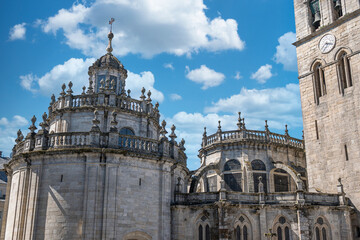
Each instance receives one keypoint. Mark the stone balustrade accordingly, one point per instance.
(252, 135)
(102, 99)
(97, 139)
(286, 198)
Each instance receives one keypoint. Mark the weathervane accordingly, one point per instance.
(111, 22)
(110, 36)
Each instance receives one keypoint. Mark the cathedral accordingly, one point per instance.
(103, 165)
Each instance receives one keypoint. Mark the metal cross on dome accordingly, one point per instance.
(270, 234)
(111, 22)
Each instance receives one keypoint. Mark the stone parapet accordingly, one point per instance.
(245, 135)
(90, 139)
(285, 198)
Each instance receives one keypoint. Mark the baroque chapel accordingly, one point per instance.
(103, 166)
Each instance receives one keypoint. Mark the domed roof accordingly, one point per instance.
(108, 60)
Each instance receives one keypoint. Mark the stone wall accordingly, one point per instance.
(224, 217)
(337, 115)
(90, 195)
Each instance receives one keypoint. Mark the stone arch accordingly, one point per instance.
(322, 224)
(294, 174)
(341, 50)
(199, 173)
(281, 225)
(259, 169)
(138, 235)
(316, 61)
(242, 221)
(127, 128)
(202, 220)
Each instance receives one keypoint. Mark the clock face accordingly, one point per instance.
(327, 43)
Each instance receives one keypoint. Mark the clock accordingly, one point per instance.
(327, 43)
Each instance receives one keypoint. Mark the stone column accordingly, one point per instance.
(303, 225)
(6, 205)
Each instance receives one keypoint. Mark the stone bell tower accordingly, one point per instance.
(328, 47)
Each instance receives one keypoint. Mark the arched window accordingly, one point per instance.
(126, 141)
(127, 131)
(233, 175)
(322, 231)
(203, 228)
(315, 13)
(242, 229)
(337, 9)
(200, 232)
(344, 71)
(281, 181)
(259, 170)
(282, 228)
(319, 82)
(207, 232)
(238, 233)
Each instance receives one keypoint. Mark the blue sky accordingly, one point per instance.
(204, 60)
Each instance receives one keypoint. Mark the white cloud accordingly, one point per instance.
(238, 76)
(76, 71)
(169, 66)
(262, 74)
(286, 52)
(146, 27)
(17, 32)
(135, 82)
(275, 103)
(8, 130)
(279, 106)
(205, 76)
(175, 97)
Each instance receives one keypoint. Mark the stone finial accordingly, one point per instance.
(32, 126)
(157, 106)
(101, 88)
(128, 92)
(142, 97)
(107, 83)
(172, 134)
(20, 136)
(110, 36)
(182, 145)
(44, 123)
(303, 137)
(113, 122)
(95, 121)
(339, 180)
(90, 88)
(219, 126)
(205, 133)
(52, 99)
(70, 91)
(44, 117)
(149, 96)
(114, 114)
(261, 185)
(239, 124)
(266, 126)
(163, 130)
(113, 85)
(83, 92)
(286, 130)
(243, 122)
(63, 87)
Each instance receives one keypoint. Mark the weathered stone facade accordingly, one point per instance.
(331, 120)
(102, 167)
